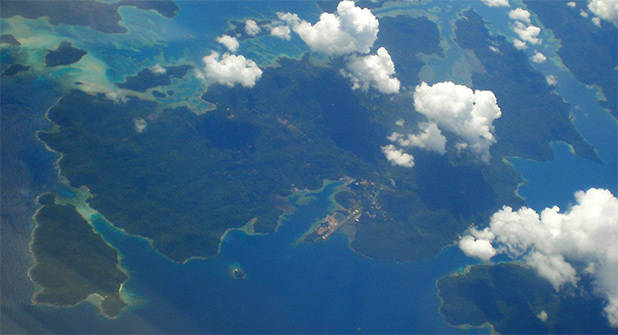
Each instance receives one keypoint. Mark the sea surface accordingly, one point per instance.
(289, 287)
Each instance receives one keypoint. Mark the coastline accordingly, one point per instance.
(83, 193)
(99, 298)
(464, 326)
(59, 200)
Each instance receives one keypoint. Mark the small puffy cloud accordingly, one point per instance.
(596, 21)
(158, 69)
(373, 71)
(140, 125)
(400, 122)
(562, 246)
(397, 156)
(527, 33)
(519, 44)
(231, 43)
(231, 69)
(542, 316)
(290, 19)
(283, 32)
(466, 113)
(481, 249)
(116, 96)
(494, 49)
(350, 29)
(520, 15)
(605, 9)
(611, 311)
(583, 13)
(538, 57)
(571, 4)
(429, 138)
(252, 28)
(496, 3)
(551, 80)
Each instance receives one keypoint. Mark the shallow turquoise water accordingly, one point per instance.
(321, 287)
(293, 288)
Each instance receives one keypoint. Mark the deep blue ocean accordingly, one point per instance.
(291, 287)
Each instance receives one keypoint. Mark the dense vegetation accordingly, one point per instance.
(14, 69)
(146, 78)
(101, 16)
(511, 296)
(65, 54)
(185, 178)
(72, 261)
(532, 116)
(9, 39)
(341, 132)
(404, 38)
(590, 52)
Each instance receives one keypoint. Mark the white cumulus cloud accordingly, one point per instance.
(231, 43)
(140, 124)
(571, 4)
(350, 29)
(551, 79)
(397, 156)
(605, 9)
(283, 32)
(116, 96)
(158, 69)
(231, 69)
(597, 21)
(527, 33)
(252, 28)
(468, 114)
(473, 247)
(373, 71)
(520, 14)
(496, 3)
(429, 138)
(542, 316)
(561, 246)
(538, 57)
(519, 44)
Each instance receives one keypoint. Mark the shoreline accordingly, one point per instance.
(61, 179)
(82, 204)
(39, 288)
(463, 326)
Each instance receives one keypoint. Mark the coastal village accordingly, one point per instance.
(332, 222)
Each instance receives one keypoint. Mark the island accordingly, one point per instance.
(301, 124)
(237, 272)
(9, 39)
(589, 51)
(65, 54)
(157, 94)
(526, 100)
(71, 261)
(101, 16)
(147, 78)
(514, 299)
(405, 38)
(14, 69)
